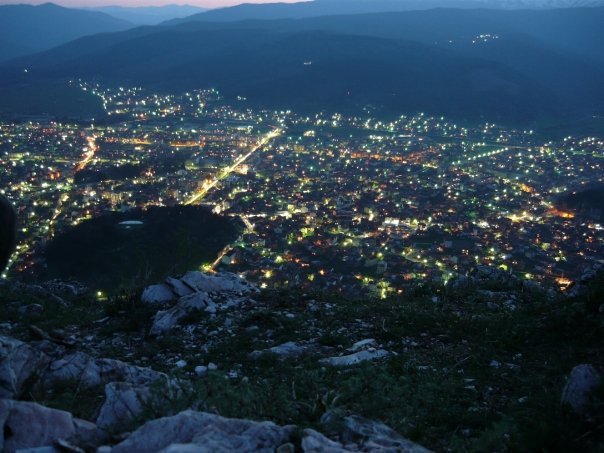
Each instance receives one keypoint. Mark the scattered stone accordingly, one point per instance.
(31, 309)
(201, 370)
(181, 363)
(212, 366)
(356, 358)
(289, 349)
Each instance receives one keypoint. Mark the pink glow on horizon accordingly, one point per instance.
(93, 3)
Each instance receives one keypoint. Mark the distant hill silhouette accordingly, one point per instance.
(26, 29)
(149, 15)
(543, 64)
(305, 9)
(342, 72)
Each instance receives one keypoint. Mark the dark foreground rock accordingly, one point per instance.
(579, 390)
(130, 392)
(30, 425)
(202, 432)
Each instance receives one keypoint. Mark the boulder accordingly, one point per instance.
(179, 288)
(19, 364)
(356, 358)
(89, 372)
(315, 442)
(372, 435)
(363, 344)
(30, 425)
(289, 349)
(158, 294)
(203, 432)
(123, 403)
(165, 320)
(221, 283)
(578, 392)
(87, 434)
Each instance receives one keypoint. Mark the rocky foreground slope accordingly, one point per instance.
(207, 362)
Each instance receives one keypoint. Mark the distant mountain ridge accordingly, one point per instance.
(148, 15)
(316, 8)
(535, 65)
(26, 29)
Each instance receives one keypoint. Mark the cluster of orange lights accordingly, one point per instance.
(563, 214)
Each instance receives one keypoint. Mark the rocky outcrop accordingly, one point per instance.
(580, 287)
(361, 351)
(89, 372)
(30, 425)
(19, 364)
(370, 435)
(579, 389)
(315, 442)
(165, 320)
(158, 294)
(203, 432)
(195, 291)
(222, 285)
(123, 403)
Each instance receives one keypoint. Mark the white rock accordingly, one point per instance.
(89, 372)
(158, 294)
(202, 432)
(19, 363)
(212, 366)
(289, 349)
(123, 402)
(315, 442)
(372, 435)
(363, 344)
(224, 282)
(178, 287)
(356, 358)
(165, 320)
(181, 363)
